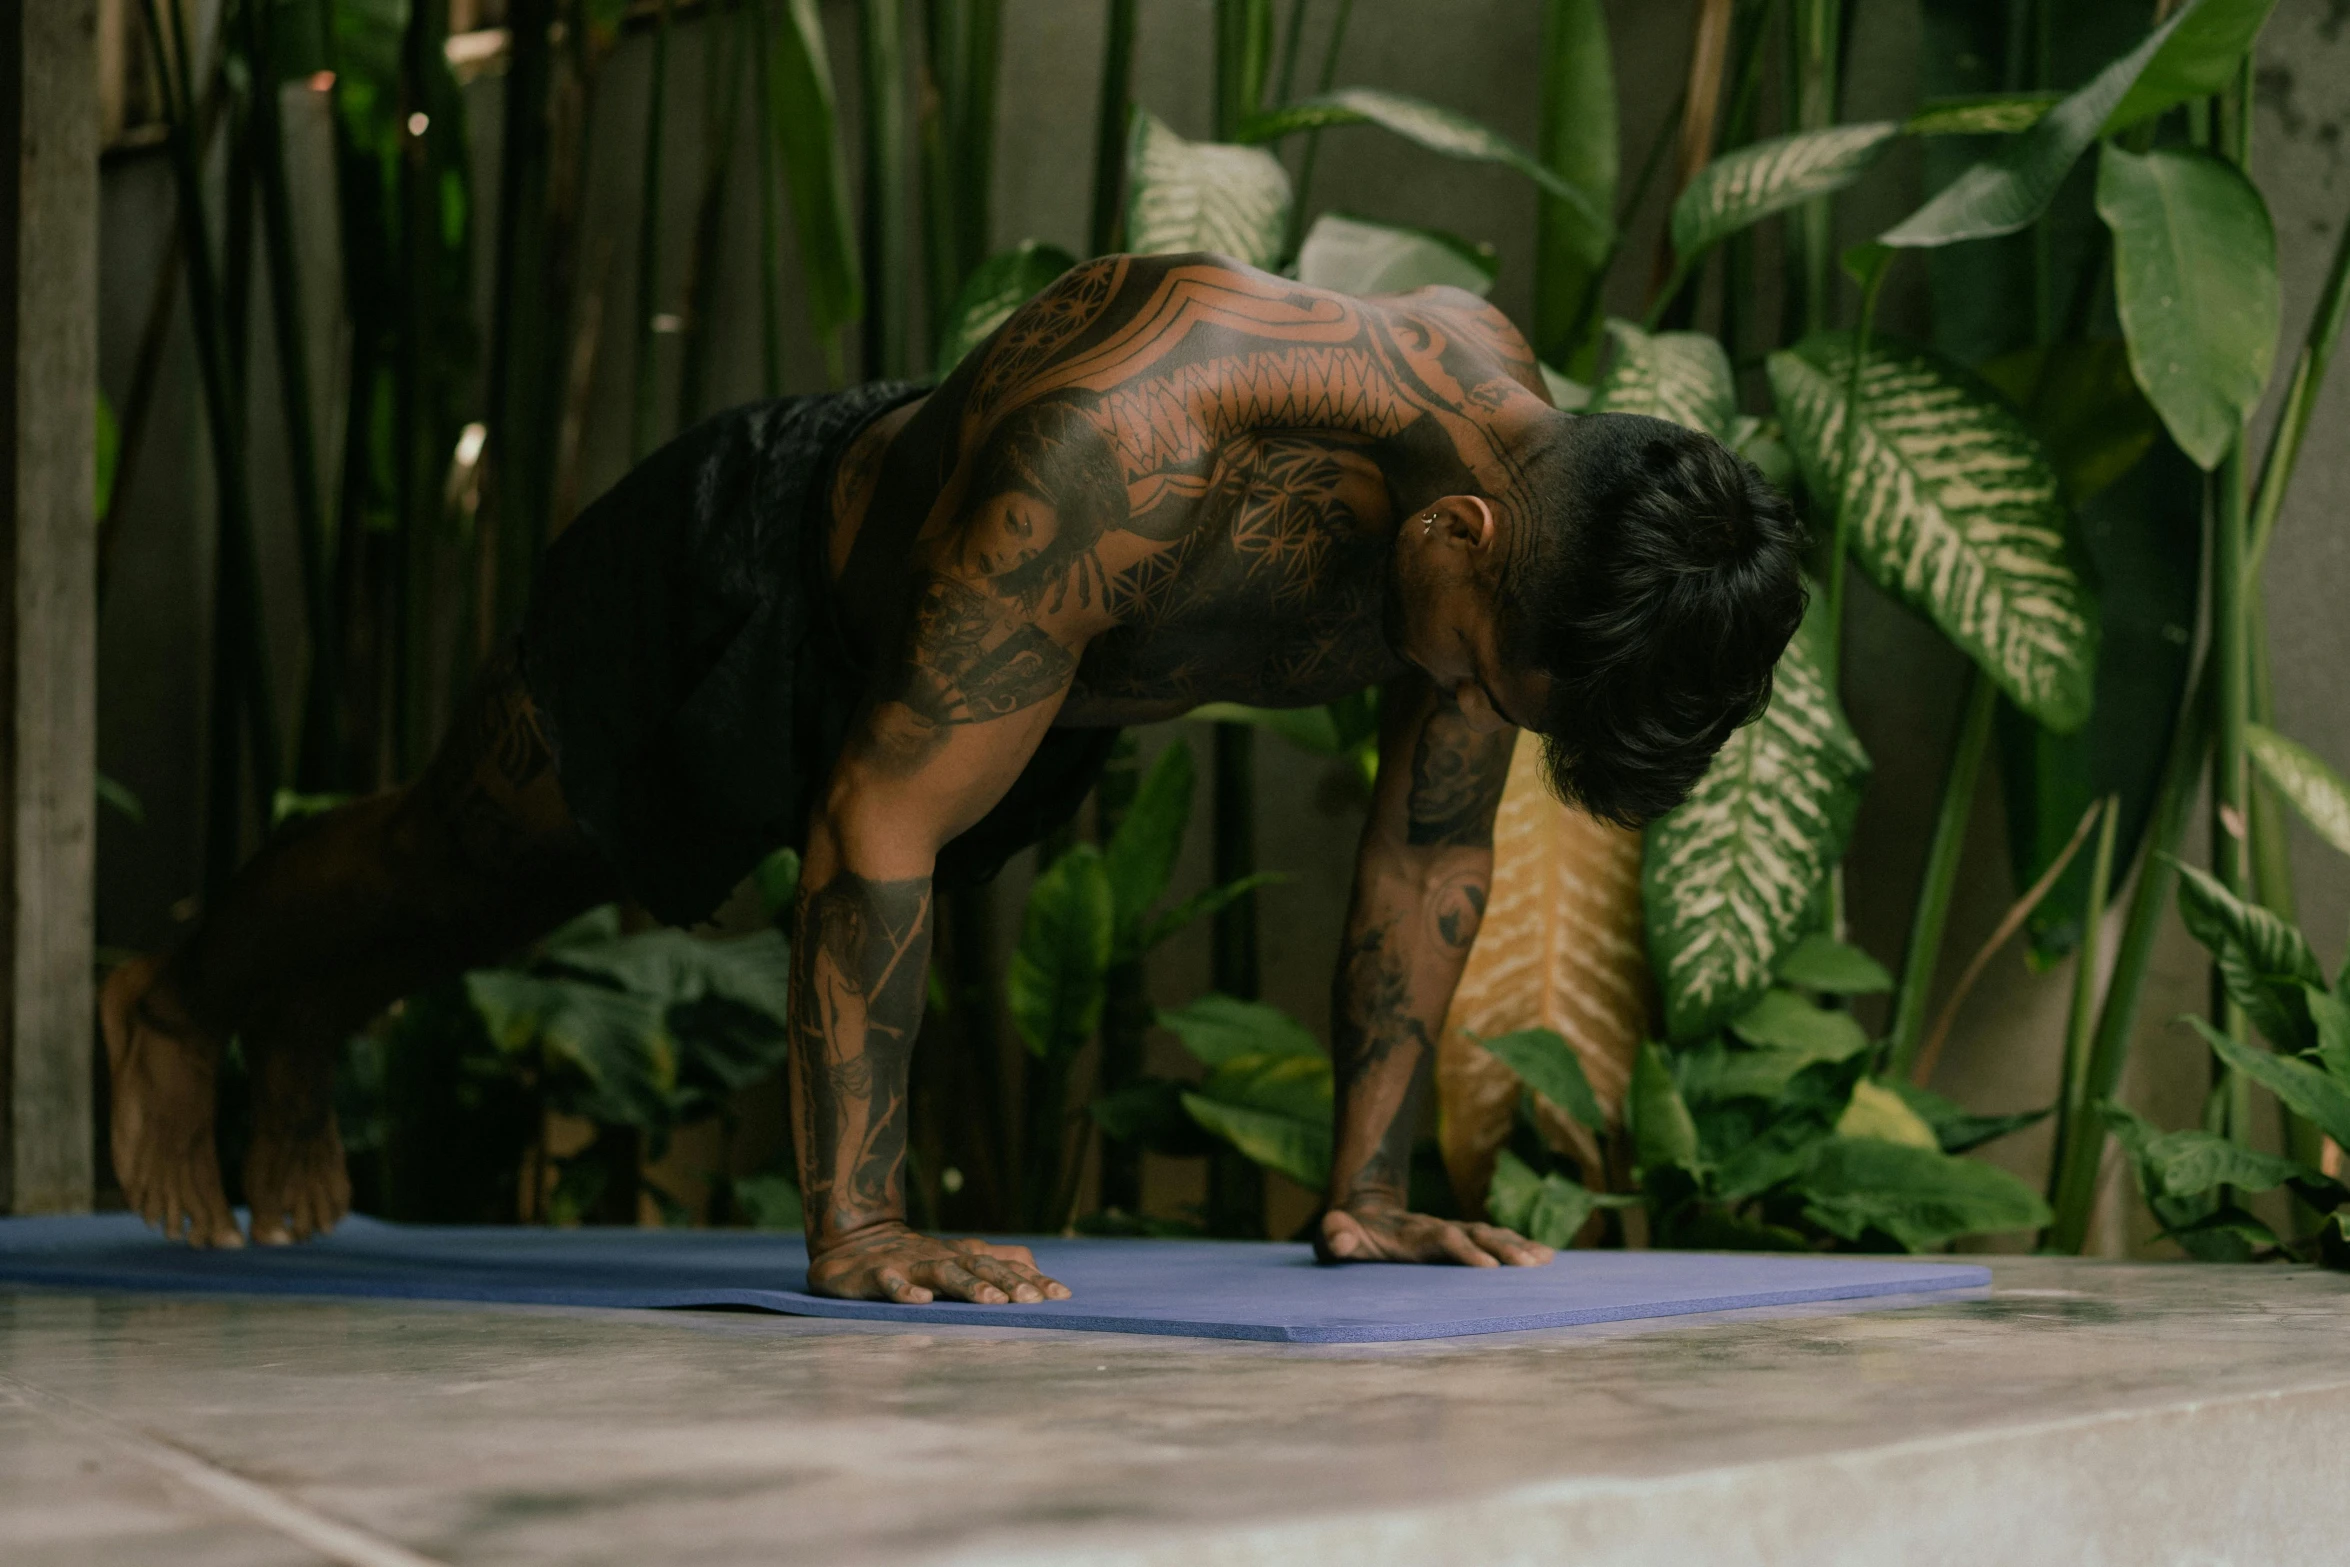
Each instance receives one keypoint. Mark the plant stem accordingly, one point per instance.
(1940, 880)
(1812, 236)
(770, 237)
(1109, 137)
(1126, 1012)
(1848, 456)
(1305, 162)
(1244, 47)
(648, 245)
(2082, 1022)
(1236, 1187)
(522, 325)
(2076, 1183)
(722, 80)
(2230, 657)
(975, 127)
(881, 57)
(2309, 376)
(1579, 141)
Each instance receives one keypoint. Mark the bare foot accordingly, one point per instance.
(163, 1070)
(295, 1177)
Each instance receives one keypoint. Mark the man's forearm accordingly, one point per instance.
(860, 960)
(1408, 934)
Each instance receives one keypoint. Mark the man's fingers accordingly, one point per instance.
(895, 1286)
(1019, 1255)
(1343, 1235)
(1460, 1248)
(957, 1282)
(1510, 1246)
(1024, 1285)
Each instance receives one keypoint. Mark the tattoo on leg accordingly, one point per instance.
(859, 965)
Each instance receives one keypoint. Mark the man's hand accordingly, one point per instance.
(1382, 1232)
(890, 1262)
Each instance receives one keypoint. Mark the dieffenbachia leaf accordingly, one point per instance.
(1743, 187)
(2198, 56)
(1140, 856)
(804, 125)
(1218, 1028)
(2195, 284)
(2316, 790)
(1821, 962)
(1194, 195)
(1953, 509)
(1001, 284)
(1988, 114)
(2014, 185)
(1546, 1063)
(1728, 877)
(1922, 1198)
(1663, 1135)
(2263, 961)
(1054, 989)
(1547, 1208)
(1680, 376)
(1357, 256)
(1423, 124)
(2192, 1162)
(2306, 1087)
(1879, 1112)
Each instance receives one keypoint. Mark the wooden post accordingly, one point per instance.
(49, 607)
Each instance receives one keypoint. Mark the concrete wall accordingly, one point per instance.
(1477, 55)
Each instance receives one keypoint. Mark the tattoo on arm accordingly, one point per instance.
(1381, 1048)
(860, 960)
(953, 675)
(1457, 777)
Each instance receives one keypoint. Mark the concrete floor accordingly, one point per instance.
(2080, 1413)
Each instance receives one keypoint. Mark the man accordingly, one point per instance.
(900, 631)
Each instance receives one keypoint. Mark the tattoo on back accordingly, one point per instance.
(860, 963)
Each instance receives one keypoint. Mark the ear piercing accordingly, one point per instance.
(1428, 523)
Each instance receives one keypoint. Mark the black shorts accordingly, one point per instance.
(683, 653)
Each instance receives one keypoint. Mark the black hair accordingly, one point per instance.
(1657, 590)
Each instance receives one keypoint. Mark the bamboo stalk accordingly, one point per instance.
(1709, 54)
(770, 217)
(722, 73)
(2231, 670)
(1126, 1012)
(975, 127)
(1313, 149)
(2072, 1114)
(881, 58)
(1109, 139)
(1811, 236)
(642, 429)
(1943, 857)
(515, 516)
(941, 65)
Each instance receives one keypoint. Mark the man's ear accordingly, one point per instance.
(1468, 519)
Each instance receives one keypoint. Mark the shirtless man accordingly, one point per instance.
(899, 631)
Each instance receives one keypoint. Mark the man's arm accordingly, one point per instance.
(1420, 884)
(984, 668)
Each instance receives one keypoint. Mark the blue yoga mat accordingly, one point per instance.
(1199, 1289)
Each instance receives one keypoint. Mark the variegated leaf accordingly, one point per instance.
(1681, 376)
(1196, 195)
(1757, 180)
(2316, 790)
(1358, 256)
(998, 286)
(1953, 509)
(1729, 878)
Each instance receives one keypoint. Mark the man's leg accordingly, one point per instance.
(333, 920)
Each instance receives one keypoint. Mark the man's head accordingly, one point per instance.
(1629, 610)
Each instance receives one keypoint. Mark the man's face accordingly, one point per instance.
(1442, 614)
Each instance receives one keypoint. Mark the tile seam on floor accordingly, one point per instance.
(330, 1537)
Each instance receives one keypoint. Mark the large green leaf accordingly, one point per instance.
(1546, 1208)
(607, 1053)
(1982, 114)
(1952, 508)
(1149, 1113)
(1680, 376)
(1958, 1130)
(1218, 1028)
(1190, 195)
(1663, 1135)
(2306, 1088)
(1728, 878)
(1055, 986)
(674, 968)
(1547, 1064)
(1782, 1020)
(1199, 906)
(1359, 256)
(2013, 186)
(1423, 124)
(1880, 1112)
(1757, 1150)
(1295, 1148)
(2195, 281)
(2082, 402)
(2263, 961)
(2143, 536)
(1921, 1198)
(2316, 790)
(1578, 140)
(804, 121)
(1140, 857)
(2198, 57)
(1295, 1086)
(2193, 1162)
(1743, 187)
(1821, 962)
(998, 286)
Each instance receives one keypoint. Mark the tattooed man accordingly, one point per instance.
(899, 630)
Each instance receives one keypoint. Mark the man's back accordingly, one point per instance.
(1194, 461)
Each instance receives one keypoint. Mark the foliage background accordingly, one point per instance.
(1475, 55)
